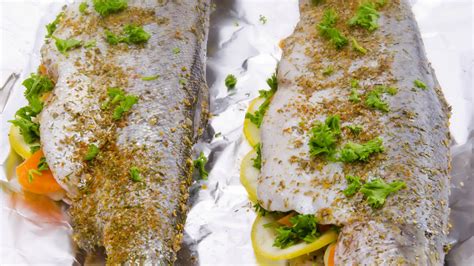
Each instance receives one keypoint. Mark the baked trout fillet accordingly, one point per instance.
(129, 100)
(357, 135)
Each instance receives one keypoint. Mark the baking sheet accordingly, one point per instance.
(35, 230)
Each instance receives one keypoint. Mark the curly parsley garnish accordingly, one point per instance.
(328, 31)
(355, 129)
(65, 45)
(36, 86)
(257, 161)
(83, 7)
(420, 84)
(257, 117)
(357, 47)
(107, 7)
(131, 34)
(92, 151)
(374, 101)
(354, 184)
(230, 81)
(135, 175)
(43, 165)
(51, 27)
(366, 17)
(122, 102)
(376, 191)
(200, 164)
(303, 228)
(323, 136)
(360, 152)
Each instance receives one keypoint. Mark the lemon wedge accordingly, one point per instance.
(251, 131)
(18, 143)
(249, 175)
(263, 238)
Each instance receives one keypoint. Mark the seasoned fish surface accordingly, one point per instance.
(411, 228)
(131, 198)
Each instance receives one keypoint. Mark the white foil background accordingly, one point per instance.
(34, 230)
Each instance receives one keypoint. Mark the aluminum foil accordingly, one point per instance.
(243, 41)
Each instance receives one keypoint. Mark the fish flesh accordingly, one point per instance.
(411, 228)
(131, 198)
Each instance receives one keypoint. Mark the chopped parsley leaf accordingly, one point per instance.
(263, 19)
(323, 136)
(355, 129)
(200, 164)
(230, 81)
(366, 17)
(106, 7)
(420, 84)
(303, 228)
(374, 101)
(354, 97)
(51, 27)
(354, 185)
(122, 102)
(354, 83)
(90, 44)
(360, 152)
(376, 191)
(92, 151)
(131, 34)
(357, 47)
(257, 161)
(392, 91)
(135, 175)
(328, 71)
(65, 45)
(150, 78)
(43, 165)
(259, 209)
(327, 30)
(83, 7)
(36, 86)
(176, 50)
(257, 117)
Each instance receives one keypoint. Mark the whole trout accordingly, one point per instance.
(374, 76)
(129, 101)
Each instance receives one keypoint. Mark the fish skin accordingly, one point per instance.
(136, 222)
(411, 228)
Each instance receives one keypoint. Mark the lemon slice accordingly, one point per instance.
(18, 143)
(263, 238)
(251, 131)
(249, 175)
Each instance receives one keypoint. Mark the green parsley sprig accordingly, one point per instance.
(200, 164)
(303, 228)
(327, 29)
(122, 102)
(377, 191)
(257, 161)
(366, 17)
(324, 136)
(131, 34)
(107, 7)
(230, 81)
(25, 118)
(360, 152)
(257, 117)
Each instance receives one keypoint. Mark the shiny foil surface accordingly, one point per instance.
(243, 41)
